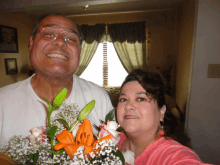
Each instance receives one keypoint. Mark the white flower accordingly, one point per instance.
(32, 139)
(37, 131)
(110, 128)
(111, 125)
(129, 157)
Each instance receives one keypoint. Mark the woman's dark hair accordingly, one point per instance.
(36, 26)
(155, 89)
(151, 82)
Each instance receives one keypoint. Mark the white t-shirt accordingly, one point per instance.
(21, 109)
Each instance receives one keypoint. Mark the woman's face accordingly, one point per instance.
(136, 112)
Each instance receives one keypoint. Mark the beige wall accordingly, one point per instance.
(185, 32)
(203, 108)
(23, 23)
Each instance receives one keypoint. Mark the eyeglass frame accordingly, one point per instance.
(63, 32)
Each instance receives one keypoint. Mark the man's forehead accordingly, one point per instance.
(58, 21)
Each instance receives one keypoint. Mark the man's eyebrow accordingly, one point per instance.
(73, 31)
(49, 25)
(54, 25)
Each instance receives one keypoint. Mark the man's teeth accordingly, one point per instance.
(133, 117)
(57, 56)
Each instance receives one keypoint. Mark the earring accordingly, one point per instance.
(161, 131)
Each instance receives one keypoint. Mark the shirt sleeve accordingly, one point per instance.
(182, 156)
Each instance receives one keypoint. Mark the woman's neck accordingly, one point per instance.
(139, 144)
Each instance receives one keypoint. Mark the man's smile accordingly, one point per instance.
(57, 56)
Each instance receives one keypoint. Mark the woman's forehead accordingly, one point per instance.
(133, 86)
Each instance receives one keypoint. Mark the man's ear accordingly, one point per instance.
(31, 41)
(162, 112)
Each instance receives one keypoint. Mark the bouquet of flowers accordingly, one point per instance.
(68, 139)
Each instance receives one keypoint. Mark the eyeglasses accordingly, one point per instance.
(51, 34)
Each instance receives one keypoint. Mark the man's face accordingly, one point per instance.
(54, 57)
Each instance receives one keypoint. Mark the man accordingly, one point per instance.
(54, 47)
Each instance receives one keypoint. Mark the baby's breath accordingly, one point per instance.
(19, 148)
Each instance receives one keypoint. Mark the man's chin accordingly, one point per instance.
(55, 73)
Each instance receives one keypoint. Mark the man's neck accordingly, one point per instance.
(48, 87)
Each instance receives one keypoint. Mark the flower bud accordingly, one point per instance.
(86, 110)
(60, 97)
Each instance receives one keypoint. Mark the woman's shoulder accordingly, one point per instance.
(171, 147)
(171, 152)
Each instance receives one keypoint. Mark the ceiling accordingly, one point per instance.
(76, 7)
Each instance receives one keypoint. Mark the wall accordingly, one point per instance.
(24, 24)
(185, 40)
(203, 108)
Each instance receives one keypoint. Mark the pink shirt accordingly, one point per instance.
(165, 152)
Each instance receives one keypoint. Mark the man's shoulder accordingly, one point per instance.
(12, 89)
(88, 84)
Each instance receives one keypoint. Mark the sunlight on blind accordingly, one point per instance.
(93, 72)
(116, 72)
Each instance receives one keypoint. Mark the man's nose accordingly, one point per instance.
(59, 41)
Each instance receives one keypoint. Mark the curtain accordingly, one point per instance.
(129, 40)
(92, 35)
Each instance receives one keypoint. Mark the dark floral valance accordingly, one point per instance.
(92, 32)
(130, 32)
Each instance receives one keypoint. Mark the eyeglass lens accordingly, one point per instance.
(51, 33)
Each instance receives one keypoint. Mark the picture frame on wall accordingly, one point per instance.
(8, 39)
(11, 66)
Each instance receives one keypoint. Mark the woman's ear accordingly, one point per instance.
(162, 112)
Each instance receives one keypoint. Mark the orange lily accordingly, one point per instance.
(84, 137)
(67, 142)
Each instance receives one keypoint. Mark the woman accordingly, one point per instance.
(141, 111)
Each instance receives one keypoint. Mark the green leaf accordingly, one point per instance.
(119, 129)
(110, 116)
(59, 152)
(29, 157)
(59, 98)
(36, 156)
(120, 155)
(64, 122)
(86, 110)
(48, 103)
(51, 133)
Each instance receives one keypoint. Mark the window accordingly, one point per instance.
(115, 74)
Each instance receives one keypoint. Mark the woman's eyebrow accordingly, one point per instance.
(141, 93)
